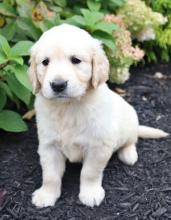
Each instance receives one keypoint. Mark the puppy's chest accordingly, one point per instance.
(72, 136)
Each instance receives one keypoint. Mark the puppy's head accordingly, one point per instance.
(66, 62)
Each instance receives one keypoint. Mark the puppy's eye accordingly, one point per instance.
(45, 62)
(75, 60)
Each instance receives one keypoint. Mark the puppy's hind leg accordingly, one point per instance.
(128, 154)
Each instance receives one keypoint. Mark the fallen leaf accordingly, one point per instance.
(29, 115)
(120, 91)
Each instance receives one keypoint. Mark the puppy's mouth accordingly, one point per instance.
(66, 98)
(61, 96)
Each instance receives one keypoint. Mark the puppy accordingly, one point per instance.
(78, 117)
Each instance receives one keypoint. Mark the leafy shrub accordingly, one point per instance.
(160, 49)
(137, 21)
(14, 85)
(140, 19)
(92, 21)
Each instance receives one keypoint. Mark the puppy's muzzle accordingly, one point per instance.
(58, 85)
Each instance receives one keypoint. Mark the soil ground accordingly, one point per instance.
(132, 193)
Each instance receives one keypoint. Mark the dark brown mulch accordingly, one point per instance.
(132, 193)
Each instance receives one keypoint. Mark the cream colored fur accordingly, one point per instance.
(88, 123)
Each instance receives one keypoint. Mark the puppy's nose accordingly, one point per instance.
(58, 85)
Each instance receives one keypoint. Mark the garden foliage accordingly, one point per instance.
(160, 49)
(114, 22)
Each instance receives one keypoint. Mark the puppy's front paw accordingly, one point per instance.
(44, 196)
(92, 196)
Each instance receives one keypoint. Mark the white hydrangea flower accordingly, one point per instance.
(140, 19)
(146, 34)
(119, 74)
(125, 53)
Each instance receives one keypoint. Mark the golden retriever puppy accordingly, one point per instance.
(78, 117)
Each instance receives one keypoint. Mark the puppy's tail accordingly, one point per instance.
(148, 132)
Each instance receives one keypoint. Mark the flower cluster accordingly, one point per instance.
(136, 21)
(140, 19)
(125, 54)
(41, 11)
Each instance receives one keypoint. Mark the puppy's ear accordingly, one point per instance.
(33, 74)
(100, 65)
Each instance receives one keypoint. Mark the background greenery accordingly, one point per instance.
(23, 21)
(160, 49)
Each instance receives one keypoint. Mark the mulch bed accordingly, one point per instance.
(132, 193)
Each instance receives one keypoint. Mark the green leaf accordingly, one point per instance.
(12, 54)
(106, 39)
(165, 55)
(21, 75)
(117, 3)
(61, 3)
(18, 60)
(21, 48)
(7, 10)
(3, 99)
(18, 89)
(3, 58)
(106, 27)
(9, 30)
(108, 43)
(26, 25)
(12, 121)
(5, 46)
(93, 6)
(76, 20)
(25, 8)
(151, 56)
(91, 18)
(5, 87)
